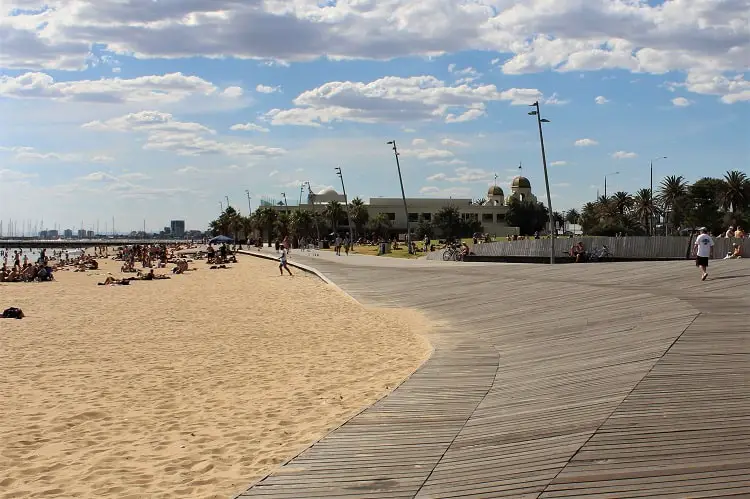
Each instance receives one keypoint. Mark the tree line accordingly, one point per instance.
(271, 223)
(714, 203)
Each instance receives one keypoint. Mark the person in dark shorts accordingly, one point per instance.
(704, 250)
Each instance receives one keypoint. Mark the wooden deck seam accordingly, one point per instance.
(453, 440)
(614, 410)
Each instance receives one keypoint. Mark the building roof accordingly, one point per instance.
(495, 190)
(328, 191)
(520, 182)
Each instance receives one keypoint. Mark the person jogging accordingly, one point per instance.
(282, 261)
(704, 249)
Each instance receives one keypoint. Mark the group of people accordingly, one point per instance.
(22, 270)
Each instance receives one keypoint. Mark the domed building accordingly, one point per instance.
(521, 190)
(495, 196)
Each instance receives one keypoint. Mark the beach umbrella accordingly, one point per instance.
(221, 239)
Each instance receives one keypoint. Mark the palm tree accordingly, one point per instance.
(736, 192)
(335, 212)
(605, 207)
(380, 225)
(558, 219)
(622, 202)
(266, 217)
(359, 213)
(589, 216)
(572, 216)
(282, 224)
(642, 207)
(673, 189)
(301, 222)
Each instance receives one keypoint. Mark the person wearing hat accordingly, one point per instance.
(704, 249)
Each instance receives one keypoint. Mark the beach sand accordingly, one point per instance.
(189, 387)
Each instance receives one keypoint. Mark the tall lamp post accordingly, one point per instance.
(403, 195)
(537, 112)
(605, 182)
(249, 207)
(311, 199)
(346, 204)
(286, 205)
(227, 198)
(651, 196)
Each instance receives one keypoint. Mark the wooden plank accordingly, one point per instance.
(563, 381)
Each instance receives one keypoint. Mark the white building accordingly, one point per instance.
(491, 213)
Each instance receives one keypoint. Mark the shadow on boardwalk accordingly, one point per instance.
(615, 380)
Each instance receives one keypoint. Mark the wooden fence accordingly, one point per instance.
(620, 247)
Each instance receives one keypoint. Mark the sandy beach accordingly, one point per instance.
(190, 387)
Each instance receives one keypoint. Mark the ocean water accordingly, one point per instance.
(33, 253)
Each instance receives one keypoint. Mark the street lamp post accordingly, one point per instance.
(311, 199)
(537, 112)
(249, 207)
(605, 182)
(651, 196)
(227, 198)
(346, 204)
(403, 195)
(286, 205)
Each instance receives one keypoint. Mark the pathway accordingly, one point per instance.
(602, 380)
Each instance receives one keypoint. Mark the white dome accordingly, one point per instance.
(328, 191)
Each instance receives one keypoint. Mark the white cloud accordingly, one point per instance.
(134, 176)
(679, 36)
(164, 133)
(25, 153)
(168, 88)
(585, 142)
(463, 175)
(624, 155)
(418, 142)
(249, 127)
(187, 169)
(558, 163)
(453, 143)
(554, 100)
(273, 173)
(265, 89)
(601, 100)
(427, 153)
(409, 130)
(681, 102)
(102, 159)
(395, 99)
(8, 176)
(450, 192)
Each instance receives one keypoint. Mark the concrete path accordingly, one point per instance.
(596, 380)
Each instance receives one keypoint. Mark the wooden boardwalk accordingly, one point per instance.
(580, 381)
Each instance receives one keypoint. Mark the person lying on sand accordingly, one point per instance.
(150, 276)
(112, 281)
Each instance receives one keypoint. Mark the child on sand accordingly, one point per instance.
(282, 261)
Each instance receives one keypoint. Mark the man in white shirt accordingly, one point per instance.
(704, 249)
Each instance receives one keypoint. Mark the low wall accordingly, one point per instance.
(622, 248)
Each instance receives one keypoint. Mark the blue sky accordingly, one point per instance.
(128, 109)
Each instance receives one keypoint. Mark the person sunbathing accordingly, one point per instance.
(112, 281)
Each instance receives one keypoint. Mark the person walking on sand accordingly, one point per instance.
(704, 249)
(282, 261)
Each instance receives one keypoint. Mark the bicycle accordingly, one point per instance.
(599, 254)
(453, 252)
